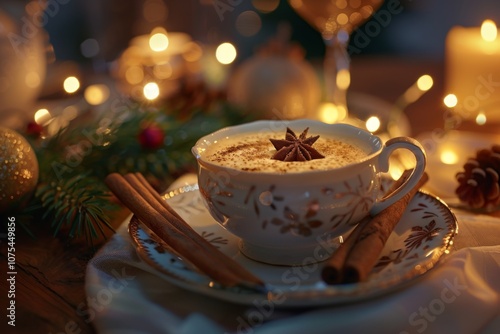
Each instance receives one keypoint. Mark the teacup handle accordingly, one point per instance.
(418, 151)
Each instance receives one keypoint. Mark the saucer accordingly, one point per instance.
(417, 244)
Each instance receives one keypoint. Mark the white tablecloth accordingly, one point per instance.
(461, 295)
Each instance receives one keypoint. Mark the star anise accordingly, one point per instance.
(294, 148)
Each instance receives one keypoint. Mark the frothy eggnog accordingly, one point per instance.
(254, 151)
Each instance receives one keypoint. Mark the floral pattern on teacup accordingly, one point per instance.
(356, 195)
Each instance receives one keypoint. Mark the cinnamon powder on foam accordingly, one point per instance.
(253, 152)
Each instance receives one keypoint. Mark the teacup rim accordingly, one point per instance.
(202, 141)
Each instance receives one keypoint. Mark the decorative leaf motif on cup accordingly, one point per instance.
(357, 197)
(292, 222)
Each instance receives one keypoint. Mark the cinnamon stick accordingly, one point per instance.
(139, 182)
(369, 244)
(333, 271)
(214, 264)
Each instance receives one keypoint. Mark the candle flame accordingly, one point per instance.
(489, 30)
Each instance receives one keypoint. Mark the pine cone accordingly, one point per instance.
(479, 183)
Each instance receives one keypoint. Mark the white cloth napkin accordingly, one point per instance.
(461, 295)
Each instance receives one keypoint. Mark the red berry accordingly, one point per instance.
(151, 137)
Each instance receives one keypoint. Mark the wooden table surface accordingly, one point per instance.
(50, 296)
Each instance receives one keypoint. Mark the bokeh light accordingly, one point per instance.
(481, 119)
(163, 71)
(448, 157)
(248, 23)
(158, 42)
(225, 53)
(71, 84)
(134, 75)
(373, 124)
(489, 30)
(69, 113)
(425, 82)
(32, 80)
(265, 6)
(194, 52)
(450, 100)
(42, 116)
(96, 94)
(330, 113)
(343, 79)
(89, 48)
(151, 90)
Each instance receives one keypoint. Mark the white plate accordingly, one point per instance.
(417, 244)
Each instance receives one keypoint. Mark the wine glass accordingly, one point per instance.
(336, 20)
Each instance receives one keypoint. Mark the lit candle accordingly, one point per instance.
(473, 70)
(149, 67)
(160, 45)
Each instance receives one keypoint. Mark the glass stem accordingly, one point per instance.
(337, 75)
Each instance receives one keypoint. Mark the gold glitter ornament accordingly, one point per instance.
(18, 170)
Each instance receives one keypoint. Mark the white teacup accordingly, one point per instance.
(291, 218)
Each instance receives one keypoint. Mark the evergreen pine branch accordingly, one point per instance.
(74, 162)
(78, 204)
